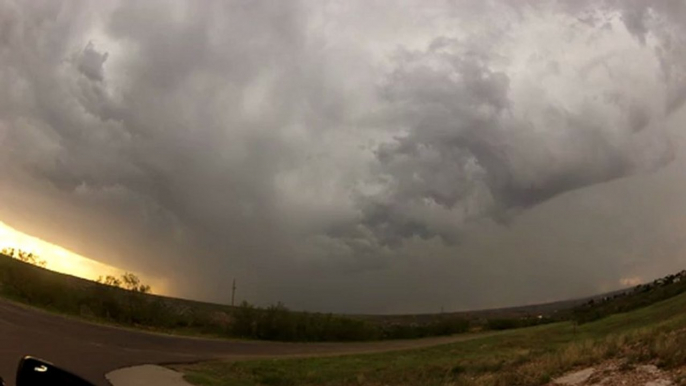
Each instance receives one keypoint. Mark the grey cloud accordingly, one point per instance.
(266, 142)
(676, 99)
(466, 150)
(91, 62)
(635, 21)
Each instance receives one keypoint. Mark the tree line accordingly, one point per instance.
(26, 257)
(277, 322)
(127, 281)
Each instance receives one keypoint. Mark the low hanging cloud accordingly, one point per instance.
(286, 142)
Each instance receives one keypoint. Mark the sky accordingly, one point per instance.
(351, 156)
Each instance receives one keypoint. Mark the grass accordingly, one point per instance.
(529, 356)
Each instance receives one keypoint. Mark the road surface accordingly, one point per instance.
(92, 350)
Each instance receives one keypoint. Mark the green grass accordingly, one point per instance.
(530, 356)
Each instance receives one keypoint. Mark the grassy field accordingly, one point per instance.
(528, 356)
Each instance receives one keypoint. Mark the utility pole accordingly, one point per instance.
(233, 292)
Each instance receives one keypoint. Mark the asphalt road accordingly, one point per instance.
(92, 350)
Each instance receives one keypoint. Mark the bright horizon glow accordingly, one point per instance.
(62, 260)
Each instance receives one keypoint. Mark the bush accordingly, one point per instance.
(502, 324)
(510, 323)
(278, 323)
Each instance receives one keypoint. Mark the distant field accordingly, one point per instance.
(553, 309)
(528, 356)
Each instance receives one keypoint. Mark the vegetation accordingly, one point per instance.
(278, 323)
(640, 296)
(128, 281)
(529, 356)
(26, 257)
(500, 324)
(123, 301)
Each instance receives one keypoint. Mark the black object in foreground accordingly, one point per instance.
(36, 372)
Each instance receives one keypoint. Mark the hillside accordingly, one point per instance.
(74, 296)
(631, 299)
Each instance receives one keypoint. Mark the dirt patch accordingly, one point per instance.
(616, 373)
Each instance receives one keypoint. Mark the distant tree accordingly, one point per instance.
(133, 283)
(245, 320)
(128, 281)
(109, 280)
(26, 257)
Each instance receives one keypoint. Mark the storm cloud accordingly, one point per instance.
(347, 156)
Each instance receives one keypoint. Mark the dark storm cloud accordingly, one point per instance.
(90, 63)
(295, 142)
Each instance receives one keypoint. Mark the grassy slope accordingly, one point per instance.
(71, 296)
(528, 356)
